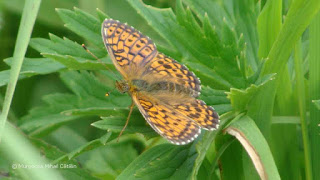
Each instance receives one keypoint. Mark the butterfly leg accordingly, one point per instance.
(130, 112)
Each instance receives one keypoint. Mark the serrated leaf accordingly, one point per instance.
(78, 64)
(85, 84)
(89, 95)
(101, 15)
(154, 163)
(241, 98)
(31, 67)
(101, 111)
(183, 38)
(64, 46)
(83, 24)
(228, 15)
(217, 99)
(137, 124)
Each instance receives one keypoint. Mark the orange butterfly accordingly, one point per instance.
(164, 90)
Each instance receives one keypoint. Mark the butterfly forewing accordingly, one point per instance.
(127, 47)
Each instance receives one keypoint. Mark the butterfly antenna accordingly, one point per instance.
(109, 92)
(88, 51)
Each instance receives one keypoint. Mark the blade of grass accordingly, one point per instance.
(17, 149)
(29, 15)
(302, 107)
(252, 140)
(269, 25)
(298, 18)
(314, 89)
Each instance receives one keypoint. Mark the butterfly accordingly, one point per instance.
(164, 90)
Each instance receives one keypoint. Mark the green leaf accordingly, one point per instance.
(83, 24)
(314, 89)
(71, 54)
(5, 75)
(207, 142)
(34, 66)
(228, 15)
(76, 64)
(216, 98)
(256, 146)
(101, 15)
(246, 14)
(298, 18)
(85, 84)
(137, 124)
(300, 86)
(109, 161)
(154, 163)
(64, 46)
(69, 168)
(87, 147)
(241, 98)
(182, 38)
(269, 25)
(44, 119)
(31, 67)
(89, 96)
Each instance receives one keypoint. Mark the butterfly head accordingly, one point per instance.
(122, 86)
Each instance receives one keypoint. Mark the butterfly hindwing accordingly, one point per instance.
(163, 67)
(205, 116)
(170, 124)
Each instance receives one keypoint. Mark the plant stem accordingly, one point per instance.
(29, 15)
(314, 90)
(298, 64)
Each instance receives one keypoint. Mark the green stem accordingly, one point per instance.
(314, 90)
(11, 115)
(29, 16)
(302, 107)
(17, 149)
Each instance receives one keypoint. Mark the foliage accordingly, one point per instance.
(241, 51)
